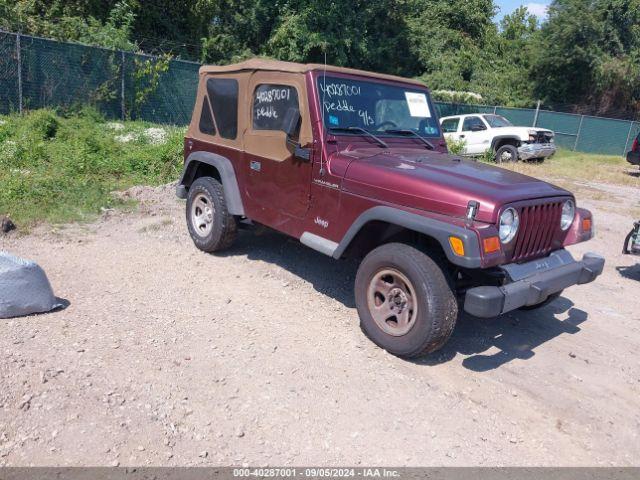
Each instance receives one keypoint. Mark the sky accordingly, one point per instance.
(537, 7)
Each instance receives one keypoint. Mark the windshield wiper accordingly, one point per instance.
(361, 130)
(429, 145)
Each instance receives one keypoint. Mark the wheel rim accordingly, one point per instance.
(391, 301)
(506, 156)
(202, 210)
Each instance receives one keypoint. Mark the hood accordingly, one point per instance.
(434, 181)
(522, 132)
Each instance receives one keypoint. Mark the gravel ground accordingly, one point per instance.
(169, 356)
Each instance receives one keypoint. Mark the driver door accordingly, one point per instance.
(277, 181)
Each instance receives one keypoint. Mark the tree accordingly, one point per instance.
(72, 21)
(588, 55)
(503, 65)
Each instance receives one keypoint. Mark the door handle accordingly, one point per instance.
(461, 136)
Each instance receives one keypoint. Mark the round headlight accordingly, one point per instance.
(509, 222)
(568, 213)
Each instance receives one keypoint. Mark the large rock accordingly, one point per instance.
(24, 288)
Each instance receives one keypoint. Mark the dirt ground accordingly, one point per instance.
(169, 356)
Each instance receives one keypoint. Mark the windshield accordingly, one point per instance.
(497, 121)
(382, 109)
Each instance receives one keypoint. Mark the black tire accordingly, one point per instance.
(223, 226)
(437, 308)
(627, 242)
(544, 303)
(507, 150)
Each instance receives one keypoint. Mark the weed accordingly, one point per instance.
(62, 168)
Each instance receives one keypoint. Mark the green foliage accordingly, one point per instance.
(146, 78)
(64, 168)
(589, 53)
(586, 54)
(453, 96)
(487, 156)
(65, 22)
(456, 146)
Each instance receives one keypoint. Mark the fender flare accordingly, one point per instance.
(439, 230)
(496, 139)
(227, 175)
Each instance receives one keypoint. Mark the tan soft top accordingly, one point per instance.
(290, 67)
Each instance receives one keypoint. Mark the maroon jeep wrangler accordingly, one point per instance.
(354, 163)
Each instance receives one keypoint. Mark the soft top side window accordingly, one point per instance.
(206, 120)
(272, 105)
(450, 125)
(223, 95)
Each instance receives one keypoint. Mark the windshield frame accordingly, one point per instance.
(407, 86)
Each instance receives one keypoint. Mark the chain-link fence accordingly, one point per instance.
(37, 72)
(582, 133)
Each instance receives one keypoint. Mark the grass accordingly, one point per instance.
(58, 168)
(568, 166)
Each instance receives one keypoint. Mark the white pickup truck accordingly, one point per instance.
(482, 132)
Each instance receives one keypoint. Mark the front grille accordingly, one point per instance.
(543, 137)
(539, 225)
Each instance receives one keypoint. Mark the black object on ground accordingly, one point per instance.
(7, 225)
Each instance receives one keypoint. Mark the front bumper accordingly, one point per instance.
(527, 151)
(531, 283)
(633, 158)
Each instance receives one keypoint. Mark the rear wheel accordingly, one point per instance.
(506, 154)
(210, 224)
(405, 300)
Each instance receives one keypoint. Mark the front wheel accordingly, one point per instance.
(506, 154)
(405, 300)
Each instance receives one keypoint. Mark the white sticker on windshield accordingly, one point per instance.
(418, 106)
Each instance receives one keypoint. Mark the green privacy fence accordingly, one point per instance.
(37, 72)
(582, 133)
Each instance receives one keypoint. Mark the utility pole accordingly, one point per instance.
(19, 59)
(122, 108)
(626, 145)
(535, 118)
(575, 145)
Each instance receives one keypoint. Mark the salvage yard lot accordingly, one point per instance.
(169, 356)
(571, 167)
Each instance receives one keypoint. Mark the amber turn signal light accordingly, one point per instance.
(457, 246)
(586, 224)
(491, 244)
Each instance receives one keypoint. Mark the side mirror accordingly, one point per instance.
(478, 128)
